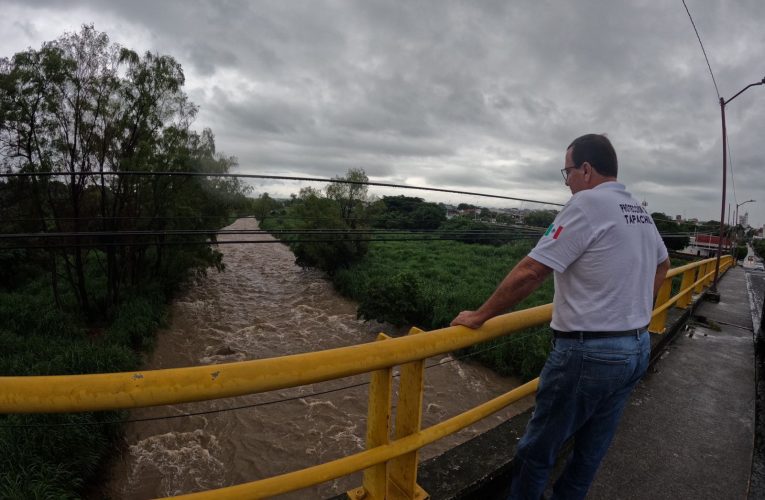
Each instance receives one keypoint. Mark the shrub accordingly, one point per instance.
(401, 300)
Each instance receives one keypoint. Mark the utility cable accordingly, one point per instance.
(280, 232)
(252, 405)
(717, 91)
(285, 242)
(273, 177)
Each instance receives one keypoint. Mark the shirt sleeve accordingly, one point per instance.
(565, 240)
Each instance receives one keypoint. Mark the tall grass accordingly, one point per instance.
(40, 457)
(428, 283)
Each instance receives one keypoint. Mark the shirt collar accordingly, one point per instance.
(612, 185)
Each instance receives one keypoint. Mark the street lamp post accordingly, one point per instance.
(715, 295)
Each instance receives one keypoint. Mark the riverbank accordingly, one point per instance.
(57, 455)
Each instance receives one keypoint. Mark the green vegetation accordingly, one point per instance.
(428, 283)
(38, 459)
(740, 252)
(91, 303)
(759, 248)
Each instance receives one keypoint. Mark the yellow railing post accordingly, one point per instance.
(375, 482)
(700, 271)
(689, 277)
(403, 469)
(710, 267)
(658, 321)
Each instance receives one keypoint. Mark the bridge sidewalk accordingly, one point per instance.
(687, 432)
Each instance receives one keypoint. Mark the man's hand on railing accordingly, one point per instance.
(523, 279)
(470, 319)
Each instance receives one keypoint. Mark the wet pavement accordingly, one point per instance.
(688, 431)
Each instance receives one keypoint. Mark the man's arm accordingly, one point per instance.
(661, 273)
(524, 278)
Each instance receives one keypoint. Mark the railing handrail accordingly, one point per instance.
(105, 391)
(676, 271)
(327, 471)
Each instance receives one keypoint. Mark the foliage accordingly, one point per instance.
(406, 212)
(759, 248)
(93, 304)
(469, 231)
(402, 300)
(428, 283)
(40, 339)
(333, 249)
(81, 104)
(263, 206)
(674, 234)
(540, 218)
(740, 252)
(349, 194)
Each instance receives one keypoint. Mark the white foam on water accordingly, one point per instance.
(186, 461)
(347, 434)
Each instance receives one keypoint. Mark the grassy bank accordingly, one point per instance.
(427, 283)
(56, 455)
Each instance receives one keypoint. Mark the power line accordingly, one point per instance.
(285, 242)
(717, 91)
(272, 177)
(280, 232)
(511, 340)
(459, 236)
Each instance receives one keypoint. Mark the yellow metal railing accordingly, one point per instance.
(390, 466)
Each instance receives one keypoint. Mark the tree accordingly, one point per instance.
(540, 218)
(670, 232)
(350, 195)
(407, 212)
(331, 250)
(263, 205)
(84, 108)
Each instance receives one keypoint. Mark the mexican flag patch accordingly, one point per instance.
(554, 231)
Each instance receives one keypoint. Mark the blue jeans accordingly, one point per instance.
(583, 389)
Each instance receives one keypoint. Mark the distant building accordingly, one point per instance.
(678, 218)
(705, 245)
(743, 220)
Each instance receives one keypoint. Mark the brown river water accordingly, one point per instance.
(261, 306)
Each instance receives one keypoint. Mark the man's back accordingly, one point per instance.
(604, 256)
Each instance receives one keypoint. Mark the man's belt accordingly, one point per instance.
(597, 335)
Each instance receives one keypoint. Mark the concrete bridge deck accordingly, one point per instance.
(688, 431)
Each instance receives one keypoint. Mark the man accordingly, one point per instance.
(609, 262)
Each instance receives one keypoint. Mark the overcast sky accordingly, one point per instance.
(476, 96)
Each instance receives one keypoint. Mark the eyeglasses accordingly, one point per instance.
(565, 171)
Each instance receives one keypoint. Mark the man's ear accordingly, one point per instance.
(587, 169)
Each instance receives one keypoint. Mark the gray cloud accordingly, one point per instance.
(480, 96)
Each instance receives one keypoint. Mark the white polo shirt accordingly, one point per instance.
(604, 248)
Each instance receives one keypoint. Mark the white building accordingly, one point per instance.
(743, 220)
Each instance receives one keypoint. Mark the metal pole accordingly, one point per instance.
(713, 288)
